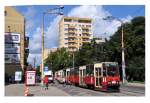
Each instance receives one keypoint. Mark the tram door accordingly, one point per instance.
(97, 77)
(67, 76)
(82, 73)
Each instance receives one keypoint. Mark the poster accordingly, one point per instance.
(12, 58)
(18, 76)
(12, 38)
(11, 50)
(30, 77)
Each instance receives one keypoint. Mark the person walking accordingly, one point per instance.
(46, 82)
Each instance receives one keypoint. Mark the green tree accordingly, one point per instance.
(58, 60)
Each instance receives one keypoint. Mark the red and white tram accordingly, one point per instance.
(103, 76)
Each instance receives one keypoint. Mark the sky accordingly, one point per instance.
(100, 27)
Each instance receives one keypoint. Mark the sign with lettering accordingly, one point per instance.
(18, 76)
(11, 50)
(30, 77)
(12, 58)
(12, 38)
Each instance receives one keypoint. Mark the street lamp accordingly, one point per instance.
(56, 11)
(122, 45)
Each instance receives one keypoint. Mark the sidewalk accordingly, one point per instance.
(18, 90)
(133, 84)
(136, 84)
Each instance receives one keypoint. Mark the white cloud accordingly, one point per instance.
(52, 33)
(31, 59)
(101, 27)
(35, 42)
(127, 19)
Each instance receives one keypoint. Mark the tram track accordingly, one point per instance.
(80, 91)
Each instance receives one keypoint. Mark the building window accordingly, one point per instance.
(66, 29)
(66, 34)
(67, 20)
(66, 25)
(5, 13)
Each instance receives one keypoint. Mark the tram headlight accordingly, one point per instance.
(109, 82)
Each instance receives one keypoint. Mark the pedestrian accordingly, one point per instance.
(46, 82)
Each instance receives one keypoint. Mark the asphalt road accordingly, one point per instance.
(125, 90)
(70, 90)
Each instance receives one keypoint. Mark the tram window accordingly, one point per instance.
(68, 73)
(89, 70)
(64, 72)
(112, 70)
(98, 69)
(104, 71)
(71, 72)
(76, 71)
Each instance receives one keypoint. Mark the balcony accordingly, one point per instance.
(72, 41)
(71, 27)
(72, 45)
(85, 32)
(72, 31)
(72, 36)
(85, 40)
(86, 36)
(84, 20)
(85, 28)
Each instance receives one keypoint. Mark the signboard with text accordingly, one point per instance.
(30, 77)
(46, 68)
(11, 50)
(12, 58)
(18, 76)
(12, 38)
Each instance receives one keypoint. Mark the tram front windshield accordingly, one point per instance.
(112, 70)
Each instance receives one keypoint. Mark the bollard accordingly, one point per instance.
(26, 93)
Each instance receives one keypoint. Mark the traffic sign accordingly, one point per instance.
(46, 68)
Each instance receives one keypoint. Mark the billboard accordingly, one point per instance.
(12, 38)
(12, 50)
(30, 77)
(18, 75)
(12, 58)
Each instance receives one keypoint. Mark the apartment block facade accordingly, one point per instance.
(73, 32)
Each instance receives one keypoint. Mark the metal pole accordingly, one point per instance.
(73, 69)
(73, 60)
(34, 59)
(42, 74)
(123, 57)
